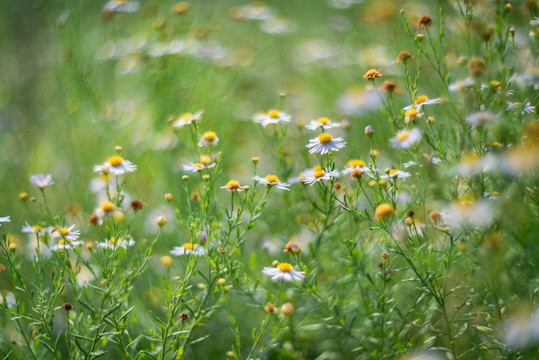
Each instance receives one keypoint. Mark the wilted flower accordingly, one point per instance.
(283, 271)
(372, 74)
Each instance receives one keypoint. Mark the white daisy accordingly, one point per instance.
(420, 101)
(284, 271)
(188, 248)
(233, 186)
(41, 180)
(116, 165)
(186, 119)
(324, 143)
(320, 175)
(406, 138)
(272, 180)
(65, 245)
(8, 298)
(272, 117)
(355, 164)
(127, 6)
(396, 174)
(323, 123)
(409, 164)
(197, 167)
(463, 84)
(66, 233)
(412, 114)
(36, 229)
(481, 118)
(209, 138)
(114, 243)
(4, 219)
(526, 108)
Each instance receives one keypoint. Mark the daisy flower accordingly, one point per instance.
(66, 233)
(188, 248)
(36, 229)
(396, 174)
(409, 164)
(114, 243)
(323, 123)
(8, 298)
(186, 119)
(319, 176)
(116, 165)
(481, 118)
(4, 219)
(197, 167)
(233, 186)
(324, 143)
(209, 138)
(65, 245)
(406, 138)
(411, 115)
(355, 164)
(526, 108)
(463, 84)
(127, 6)
(41, 181)
(272, 117)
(283, 271)
(420, 101)
(272, 180)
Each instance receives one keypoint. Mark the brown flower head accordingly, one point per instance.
(424, 21)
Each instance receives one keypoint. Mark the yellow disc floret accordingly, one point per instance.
(420, 99)
(403, 135)
(107, 206)
(37, 228)
(393, 172)
(411, 113)
(319, 174)
(64, 231)
(186, 116)
(209, 136)
(272, 178)
(274, 114)
(188, 246)
(355, 163)
(115, 160)
(317, 168)
(284, 267)
(325, 138)
(205, 159)
(197, 165)
(323, 120)
(383, 210)
(233, 184)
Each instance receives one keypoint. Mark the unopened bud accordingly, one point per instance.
(287, 309)
(255, 160)
(169, 197)
(23, 196)
(369, 131)
(161, 221)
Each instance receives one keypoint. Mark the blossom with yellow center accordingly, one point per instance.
(324, 143)
(404, 139)
(186, 119)
(115, 165)
(323, 122)
(283, 271)
(421, 101)
(395, 173)
(205, 159)
(66, 233)
(195, 167)
(320, 175)
(355, 164)
(41, 181)
(188, 248)
(272, 180)
(209, 138)
(233, 186)
(272, 117)
(127, 6)
(107, 206)
(372, 74)
(115, 243)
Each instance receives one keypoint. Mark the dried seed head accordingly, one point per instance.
(184, 316)
(137, 205)
(424, 21)
(67, 307)
(270, 308)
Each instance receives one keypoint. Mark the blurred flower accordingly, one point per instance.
(283, 271)
(420, 101)
(406, 138)
(277, 25)
(197, 167)
(469, 212)
(115, 165)
(396, 174)
(188, 248)
(355, 164)
(324, 123)
(36, 229)
(320, 175)
(7, 298)
(357, 100)
(41, 180)
(343, 4)
(65, 245)
(272, 180)
(324, 143)
(409, 164)
(233, 186)
(115, 243)
(254, 11)
(186, 119)
(383, 210)
(127, 6)
(372, 74)
(412, 114)
(521, 331)
(526, 108)
(209, 138)
(460, 85)
(481, 118)
(272, 117)
(4, 219)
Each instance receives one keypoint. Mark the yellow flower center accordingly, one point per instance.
(274, 114)
(324, 138)
(323, 120)
(37, 228)
(319, 174)
(272, 178)
(393, 172)
(496, 144)
(518, 103)
(205, 159)
(317, 168)
(186, 116)
(233, 184)
(115, 160)
(355, 163)
(411, 113)
(113, 241)
(284, 267)
(209, 136)
(107, 206)
(188, 246)
(64, 231)
(421, 99)
(494, 193)
(64, 242)
(197, 165)
(403, 135)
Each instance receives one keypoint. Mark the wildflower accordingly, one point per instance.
(406, 138)
(460, 85)
(324, 143)
(180, 8)
(469, 212)
(372, 74)
(356, 174)
(270, 308)
(293, 248)
(424, 21)
(127, 6)
(209, 138)
(166, 261)
(254, 11)
(23, 196)
(65, 245)
(197, 167)
(115, 243)
(4, 219)
(66, 233)
(36, 229)
(411, 115)
(272, 180)
(287, 309)
(161, 221)
(369, 131)
(404, 57)
(396, 174)
(522, 331)
(526, 108)
(187, 119)
(188, 248)
(323, 123)
(320, 175)
(116, 165)
(390, 87)
(481, 118)
(409, 164)
(354, 165)
(41, 180)
(272, 117)
(137, 205)
(283, 271)
(383, 210)
(169, 197)
(67, 307)
(233, 186)
(420, 101)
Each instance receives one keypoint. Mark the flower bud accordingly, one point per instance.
(221, 282)
(383, 211)
(185, 178)
(206, 177)
(270, 308)
(161, 221)
(255, 160)
(166, 261)
(369, 131)
(169, 197)
(287, 309)
(23, 196)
